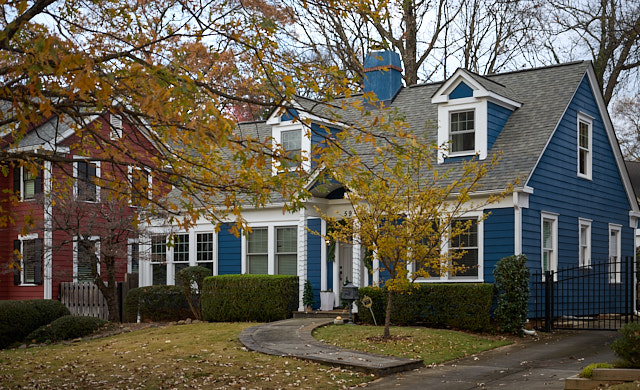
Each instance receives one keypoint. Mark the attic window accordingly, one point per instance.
(291, 143)
(462, 131)
(116, 127)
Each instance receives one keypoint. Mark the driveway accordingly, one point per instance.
(543, 363)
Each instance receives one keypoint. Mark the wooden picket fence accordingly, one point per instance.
(84, 299)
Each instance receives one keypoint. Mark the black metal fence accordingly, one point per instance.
(599, 296)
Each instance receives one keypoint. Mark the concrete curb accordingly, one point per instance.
(293, 338)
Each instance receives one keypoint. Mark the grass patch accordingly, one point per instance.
(430, 345)
(205, 355)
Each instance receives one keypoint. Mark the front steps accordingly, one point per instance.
(321, 314)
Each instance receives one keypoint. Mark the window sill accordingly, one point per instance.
(28, 285)
(586, 177)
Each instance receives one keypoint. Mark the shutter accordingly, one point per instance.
(16, 179)
(37, 258)
(38, 182)
(16, 270)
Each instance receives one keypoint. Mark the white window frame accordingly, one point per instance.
(115, 127)
(22, 186)
(446, 246)
(28, 237)
(78, 159)
(479, 106)
(615, 269)
(553, 261)
(583, 118)
(214, 252)
(271, 227)
(249, 254)
(153, 261)
(584, 248)
(305, 144)
(277, 254)
(130, 170)
(130, 243)
(75, 255)
(463, 132)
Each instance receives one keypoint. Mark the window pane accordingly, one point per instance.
(584, 135)
(470, 261)
(287, 264)
(469, 238)
(181, 248)
(287, 239)
(258, 241)
(84, 264)
(177, 268)
(158, 249)
(208, 266)
(291, 140)
(546, 235)
(204, 247)
(258, 264)
(135, 258)
(159, 274)
(29, 261)
(86, 180)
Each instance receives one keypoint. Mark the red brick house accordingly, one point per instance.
(112, 154)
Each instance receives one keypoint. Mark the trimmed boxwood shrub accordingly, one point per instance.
(627, 346)
(65, 328)
(19, 318)
(191, 279)
(462, 306)
(260, 298)
(512, 287)
(156, 303)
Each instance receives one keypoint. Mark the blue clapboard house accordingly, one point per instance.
(574, 204)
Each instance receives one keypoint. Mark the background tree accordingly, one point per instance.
(406, 208)
(626, 113)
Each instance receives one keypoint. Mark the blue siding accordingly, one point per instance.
(229, 252)
(314, 243)
(497, 116)
(558, 189)
(461, 91)
(498, 239)
(289, 115)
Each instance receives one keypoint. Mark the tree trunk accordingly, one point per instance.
(387, 317)
(110, 290)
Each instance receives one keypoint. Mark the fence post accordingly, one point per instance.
(548, 301)
(628, 290)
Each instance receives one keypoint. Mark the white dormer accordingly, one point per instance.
(463, 105)
(292, 129)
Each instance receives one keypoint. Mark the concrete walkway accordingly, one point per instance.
(529, 364)
(292, 337)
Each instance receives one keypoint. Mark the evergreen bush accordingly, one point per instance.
(157, 303)
(512, 287)
(462, 306)
(19, 318)
(307, 296)
(627, 347)
(261, 298)
(65, 328)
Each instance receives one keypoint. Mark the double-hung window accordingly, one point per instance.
(258, 251)
(86, 175)
(87, 252)
(204, 250)
(462, 131)
(159, 259)
(180, 253)
(292, 145)
(28, 261)
(549, 238)
(584, 146)
(585, 242)
(464, 244)
(287, 250)
(615, 258)
(27, 183)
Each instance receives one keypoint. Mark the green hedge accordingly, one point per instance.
(66, 328)
(19, 318)
(259, 298)
(156, 303)
(456, 305)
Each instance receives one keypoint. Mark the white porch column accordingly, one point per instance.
(302, 256)
(336, 276)
(48, 233)
(323, 256)
(517, 226)
(376, 270)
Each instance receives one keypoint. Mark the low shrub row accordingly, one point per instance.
(65, 328)
(19, 318)
(260, 298)
(156, 303)
(457, 305)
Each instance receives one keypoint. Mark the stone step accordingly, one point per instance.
(577, 383)
(616, 374)
(321, 314)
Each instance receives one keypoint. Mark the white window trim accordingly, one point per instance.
(582, 262)
(479, 106)
(22, 198)
(553, 263)
(78, 159)
(445, 246)
(130, 169)
(305, 143)
(75, 255)
(582, 222)
(131, 241)
(586, 119)
(615, 277)
(275, 247)
(271, 244)
(21, 238)
(193, 249)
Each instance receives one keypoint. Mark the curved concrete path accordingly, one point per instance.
(292, 337)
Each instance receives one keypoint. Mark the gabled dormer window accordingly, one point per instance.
(292, 145)
(462, 131)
